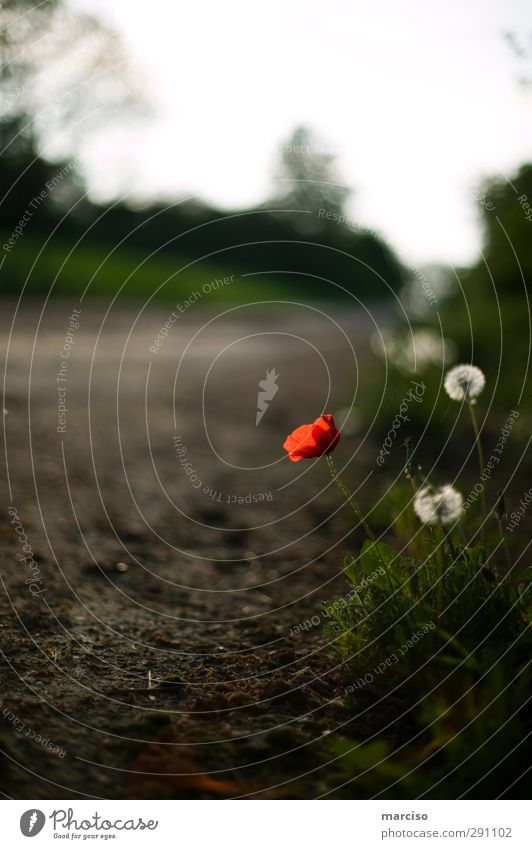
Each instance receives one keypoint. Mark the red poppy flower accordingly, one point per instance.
(312, 440)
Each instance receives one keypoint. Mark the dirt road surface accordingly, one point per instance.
(159, 551)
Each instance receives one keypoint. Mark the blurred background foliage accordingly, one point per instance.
(81, 72)
(481, 315)
(299, 243)
(282, 239)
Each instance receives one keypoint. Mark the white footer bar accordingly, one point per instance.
(267, 824)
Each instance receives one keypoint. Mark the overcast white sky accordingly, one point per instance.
(419, 97)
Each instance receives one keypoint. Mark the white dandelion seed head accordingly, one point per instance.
(438, 505)
(464, 382)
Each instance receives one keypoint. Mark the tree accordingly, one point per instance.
(307, 179)
(61, 74)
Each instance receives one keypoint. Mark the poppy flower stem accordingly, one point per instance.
(345, 492)
(358, 513)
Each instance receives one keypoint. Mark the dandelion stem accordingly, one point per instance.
(481, 465)
(440, 568)
(463, 537)
(450, 543)
(504, 546)
(433, 537)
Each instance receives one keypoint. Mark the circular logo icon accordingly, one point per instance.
(32, 822)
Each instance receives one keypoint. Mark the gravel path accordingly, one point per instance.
(160, 551)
